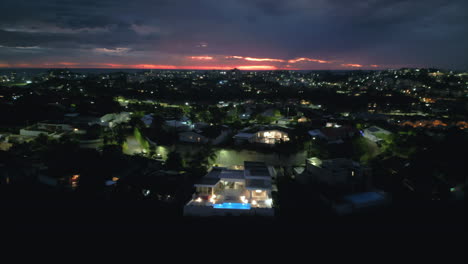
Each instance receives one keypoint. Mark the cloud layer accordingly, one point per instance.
(249, 34)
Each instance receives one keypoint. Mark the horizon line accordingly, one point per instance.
(234, 68)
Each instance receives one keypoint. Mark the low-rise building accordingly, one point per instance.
(333, 134)
(269, 135)
(182, 124)
(344, 185)
(46, 128)
(333, 172)
(114, 119)
(375, 133)
(207, 135)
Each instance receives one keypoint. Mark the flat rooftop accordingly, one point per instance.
(252, 168)
(231, 174)
(257, 184)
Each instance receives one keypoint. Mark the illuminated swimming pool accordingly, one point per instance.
(242, 206)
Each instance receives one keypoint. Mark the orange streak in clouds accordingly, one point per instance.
(257, 67)
(352, 65)
(253, 59)
(137, 66)
(307, 59)
(201, 58)
(262, 59)
(374, 65)
(153, 66)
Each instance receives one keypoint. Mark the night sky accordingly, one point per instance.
(222, 34)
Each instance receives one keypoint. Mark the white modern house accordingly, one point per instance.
(225, 191)
(46, 128)
(114, 119)
(372, 133)
(263, 135)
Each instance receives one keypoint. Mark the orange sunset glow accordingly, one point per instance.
(307, 59)
(207, 62)
(352, 65)
(201, 58)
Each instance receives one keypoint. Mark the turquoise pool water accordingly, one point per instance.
(242, 206)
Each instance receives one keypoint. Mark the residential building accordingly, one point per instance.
(269, 135)
(344, 185)
(375, 133)
(114, 119)
(181, 124)
(225, 191)
(333, 134)
(334, 172)
(46, 128)
(208, 135)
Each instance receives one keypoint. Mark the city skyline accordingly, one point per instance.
(248, 35)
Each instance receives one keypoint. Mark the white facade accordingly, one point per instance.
(270, 137)
(114, 119)
(225, 191)
(372, 133)
(48, 129)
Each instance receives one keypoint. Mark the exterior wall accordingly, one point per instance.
(371, 135)
(53, 130)
(210, 211)
(204, 190)
(259, 137)
(62, 127)
(32, 133)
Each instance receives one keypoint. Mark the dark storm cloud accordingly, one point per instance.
(412, 33)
